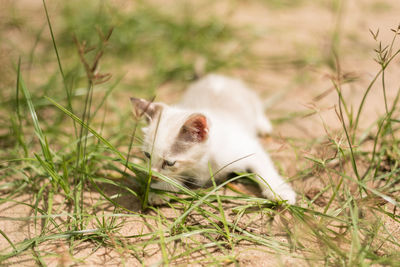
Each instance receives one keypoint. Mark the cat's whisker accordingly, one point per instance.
(186, 180)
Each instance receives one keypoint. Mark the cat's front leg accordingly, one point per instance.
(272, 185)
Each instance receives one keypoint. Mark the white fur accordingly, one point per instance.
(234, 117)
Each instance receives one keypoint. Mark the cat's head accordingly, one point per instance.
(175, 140)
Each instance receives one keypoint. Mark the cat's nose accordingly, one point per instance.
(155, 178)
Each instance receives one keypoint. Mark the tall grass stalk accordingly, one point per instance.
(77, 184)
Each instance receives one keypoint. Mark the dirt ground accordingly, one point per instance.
(306, 41)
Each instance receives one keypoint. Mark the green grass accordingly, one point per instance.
(70, 144)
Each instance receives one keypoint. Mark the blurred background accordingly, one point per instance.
(291, 52)
(285, 49)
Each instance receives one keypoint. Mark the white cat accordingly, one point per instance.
(215, 124)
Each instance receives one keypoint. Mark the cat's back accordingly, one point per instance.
(219, 93)
(228, 100)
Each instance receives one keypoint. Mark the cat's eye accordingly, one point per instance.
(147, 154)
(168, 163)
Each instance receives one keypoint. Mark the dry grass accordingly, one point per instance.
(73, 185)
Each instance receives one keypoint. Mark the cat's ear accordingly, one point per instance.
(143, 107)
(195, 129)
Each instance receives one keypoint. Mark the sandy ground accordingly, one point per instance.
(291, 89)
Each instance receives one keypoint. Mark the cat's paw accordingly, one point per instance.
(288, 194)
(155, 199)
(283, 193)
(264, 127)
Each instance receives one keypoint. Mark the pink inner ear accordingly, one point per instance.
(195, 129)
